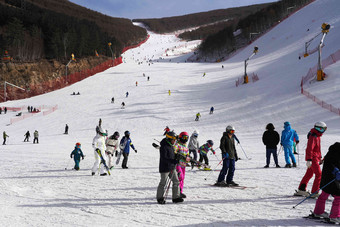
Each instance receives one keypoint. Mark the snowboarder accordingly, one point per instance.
(36, 136)
(203, 151)
(182, 152)
(148, 78)
(66, 129)
(112, 100)
(287, 138)
(112, 148)
(329, 171)
(198, 115)
(123, 105)
(313, 158)
(229, 157)
(211, 110)
(124, 145)
(76, 154)
(27, 136)
(271, 139)
(169, 92)
(203, 74)
(166, 130)
(167, 169)
(4, 136)
(194, 144)
(99, 147)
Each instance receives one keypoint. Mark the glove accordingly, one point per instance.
(336, 172)
(225, 155)
(116, 154)
(71, 156)
(83, 158)
(309, 164)
(136, 151)
(236, 158)
(297, 142)
(198, 151)
(111, 155)
(187, 159)
(214, 152)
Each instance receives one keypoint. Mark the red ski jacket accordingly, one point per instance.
(313, 150)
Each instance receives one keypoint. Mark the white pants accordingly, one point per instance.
(97, 164)
(110, 159)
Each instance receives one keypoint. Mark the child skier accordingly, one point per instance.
(76, 154)
(203, 151)
(287, 137)
(330, 171)
(194, 144)
(182, 153)
(125, 144)
(111, 148)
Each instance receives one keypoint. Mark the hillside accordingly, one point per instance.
(38, 186)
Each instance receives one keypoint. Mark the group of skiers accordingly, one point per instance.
(27, 136)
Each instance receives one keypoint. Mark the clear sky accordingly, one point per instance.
(136, 9)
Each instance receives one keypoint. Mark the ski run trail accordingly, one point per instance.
(36, 190)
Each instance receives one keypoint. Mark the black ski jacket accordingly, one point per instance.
(167, 159)
(271, 139)
(227, 145)
(332, 160)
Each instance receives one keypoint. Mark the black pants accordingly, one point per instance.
(26, 139)
(35, 140)
(125, 160)
(205, 157)
(195, 154)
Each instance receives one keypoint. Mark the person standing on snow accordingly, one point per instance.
(124, 145)
(314, 159)
(194, 144)
(112, 148)
(287, 138)
(36, 136)
(66, 129)
(229, 156)
(330, 171)
(27, 136)
(271, 139)
(182, 152)
(76, 154)
(4, 136)
(167, 169)
(211, 110)
(198, 115)
(99, 144)
(203, 151)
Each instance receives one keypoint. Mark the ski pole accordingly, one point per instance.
(298, 150)
(244, 152)
(314, 193)
(279, 151)
(68, 163)
(214, 169)
(167, 185)
(157, 140)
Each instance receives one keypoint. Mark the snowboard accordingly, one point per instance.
(103, 161)
(119, 156)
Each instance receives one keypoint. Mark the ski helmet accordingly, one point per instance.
(183, 137)
(320, 126)
(195, 133)
(102, 132)
(171, 136)
(230, 128)
(78, 145)
(127, 133)
(116, 135)
(210, 143)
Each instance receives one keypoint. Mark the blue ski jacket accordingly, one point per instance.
(77, 153)
(288, 135)
(125, 144)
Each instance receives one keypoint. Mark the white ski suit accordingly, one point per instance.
(111, 147)
(99, 143)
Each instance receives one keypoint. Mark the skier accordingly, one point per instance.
(271, 139)
(5, 110)
(194, 144)
(148, 78)
(229, 156)
(182, 152)
(27, 136)
(76, 154)
(4, 136)
(198, 115)
(123, 105)
(287, 138)
(203, 151)
(169, 92)
(211, 110)
(167, 169)
(127, 94)
(329, 171)
(98, 145)
(203, 74)
(124, 146)
(166, 130)
(314, 159)
(36, 136)
(136, 83)
(112, 148)
(112, 100)
(66, 129)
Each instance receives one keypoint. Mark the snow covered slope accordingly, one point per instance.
(35, 188)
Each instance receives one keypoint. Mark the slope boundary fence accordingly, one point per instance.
(311, 75)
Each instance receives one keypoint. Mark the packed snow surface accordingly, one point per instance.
(36, 190)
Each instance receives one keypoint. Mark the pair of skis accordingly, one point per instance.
(321, 219)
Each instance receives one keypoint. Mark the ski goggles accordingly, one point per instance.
(185, 137)
(232, 131)
(321, 129)
(171, 137)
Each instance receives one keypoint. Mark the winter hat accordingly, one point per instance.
(270, 126)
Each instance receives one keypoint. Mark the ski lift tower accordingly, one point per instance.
(5, 94)
(256, 49)
(320, 74)
(110, 44)
(72, 59)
